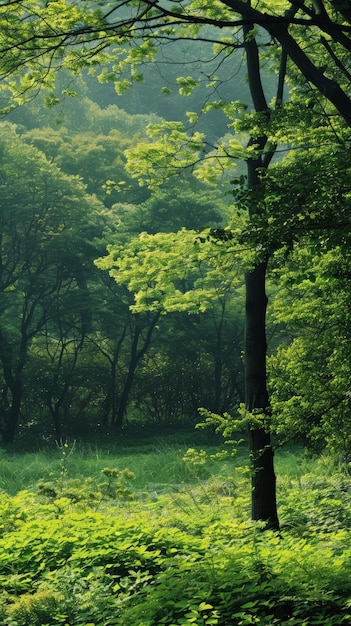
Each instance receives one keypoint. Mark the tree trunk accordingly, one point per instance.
(110, 404)
(11, 407)
(128, 383)
(264, 506)
(135, 357)
(12, 416)
(263, 497)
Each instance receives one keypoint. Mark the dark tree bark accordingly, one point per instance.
(263, 500)
(110, 405)
(11, 401)
(12, 414)
(136, 355)
(264, 505)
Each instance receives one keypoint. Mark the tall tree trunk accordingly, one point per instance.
(263, 498)
(12, 416)
(128, 383)
(110, 404)
(11, 406)
(264, 506)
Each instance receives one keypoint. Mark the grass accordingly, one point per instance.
(161, 463)
(155, 464)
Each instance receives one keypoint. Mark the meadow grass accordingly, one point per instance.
(161, 464)
(154, 464)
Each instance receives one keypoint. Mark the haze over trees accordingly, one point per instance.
(290, 206)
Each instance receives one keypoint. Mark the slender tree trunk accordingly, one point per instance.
(12, 416)
(110, 403)
(263, 499)
(135, 358)
(218, 383)
(264, 506)
(133, 363)
(13, 379)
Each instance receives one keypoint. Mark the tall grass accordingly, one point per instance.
(154, 465)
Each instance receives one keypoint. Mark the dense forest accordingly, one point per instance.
(84, 349)
(74, 354)
(175, 250)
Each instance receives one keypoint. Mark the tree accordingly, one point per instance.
(196, 361)
(139, 30)
(98, 159)
(45, 220)
(172, 274)
(171, 152)
(310, 372)
(41, 38)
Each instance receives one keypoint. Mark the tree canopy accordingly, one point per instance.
(278, 207)
(114, 40)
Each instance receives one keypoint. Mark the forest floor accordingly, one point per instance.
(158, 532)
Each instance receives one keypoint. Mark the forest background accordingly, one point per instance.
(140, 233)
(157, 338)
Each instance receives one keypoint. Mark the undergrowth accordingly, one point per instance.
(101, 551)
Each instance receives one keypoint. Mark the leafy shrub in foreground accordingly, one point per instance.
(34, 609)
(317, 503)
(184, 560)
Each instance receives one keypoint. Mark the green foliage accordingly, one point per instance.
(187, 84)
(226, 424)
(310, 372)
(46, 221)
(153, 269)
(170, 150)
(178, 558)
(42, 607)
(97, 158)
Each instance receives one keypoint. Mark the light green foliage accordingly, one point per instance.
(173, 271)
(170, 151)
(174, 148)
(35, 609)
(185, 556)
(187, 84)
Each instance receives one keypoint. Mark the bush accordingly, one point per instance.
(185, 557)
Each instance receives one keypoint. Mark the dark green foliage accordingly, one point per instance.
(71, 350)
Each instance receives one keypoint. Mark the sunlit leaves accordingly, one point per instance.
(218, 164)
(41, 37)
(174, 271)
(272, 6)
(171, 150)
(174, 148)
(211, 9)
(187, 84)
(179, 556)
